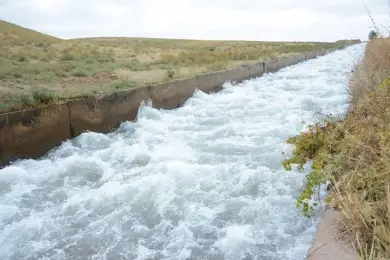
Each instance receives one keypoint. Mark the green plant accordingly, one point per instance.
(28, 100)
(3, 107)
(217, 66)
(170, 74)
(68, 67)
(80, 73)
(22, 58)
(90, 61)
(43, 95)
(123, 84)
(39, 44)
(61, 74)
(136, 65)
(318, 146)
(17, 74)
(373, 35)
(66, 56)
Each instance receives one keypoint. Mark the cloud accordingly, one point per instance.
(294, 20)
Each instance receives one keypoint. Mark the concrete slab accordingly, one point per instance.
(32, 132)
(327, 244)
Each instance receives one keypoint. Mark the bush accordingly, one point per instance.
(80, 73)
(90, 61)
(170, 74)
(217, 66)
(61, 74)
(373, 35)
(124, 84)
(17, 74)
(315, 145)
(39, 44)
(28, 100)
(136, 65)
(67, 67)
(66, 56)
(22, 58)
(43, 95)
(166, 66)
(45, 59)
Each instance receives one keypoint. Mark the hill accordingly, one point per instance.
(14, 35)
(33, 64)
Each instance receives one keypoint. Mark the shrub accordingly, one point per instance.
(43, 95)
(28, 100)
(4, 62)
(17, 74)
(217, 66)
(90, 61)
(44, 59)
(66, 56)
(124, 84)
(373, 35)
(68, 67)
(61, 74)
(80, 73)
(315, 145)
(39, 44)
(170, 74)
(136, 65)
(22, 58)
(166, 66)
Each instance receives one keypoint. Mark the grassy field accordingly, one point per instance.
(354, 154)
(36, 68)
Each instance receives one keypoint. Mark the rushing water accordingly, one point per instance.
(203, 181)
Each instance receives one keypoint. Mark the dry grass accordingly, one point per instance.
(70, 68)
(363, 187)
(354, 153)
(373, 69)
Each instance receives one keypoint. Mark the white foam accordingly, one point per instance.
(203, 181)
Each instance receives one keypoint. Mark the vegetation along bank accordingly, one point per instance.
(353, 153)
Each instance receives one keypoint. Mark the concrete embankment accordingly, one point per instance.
(327, 243)
(32, 132)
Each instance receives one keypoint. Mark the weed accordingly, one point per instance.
(61, 74)
(43, 95)
(170, 74)
(28, 100)
(67, 56)
(124, 84)
(217, 66)
(22, 58)
(80, 73)
(136, 65)
(90, 61)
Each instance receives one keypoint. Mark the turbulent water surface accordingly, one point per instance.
(203, 181)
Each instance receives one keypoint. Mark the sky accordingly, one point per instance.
(268, 20)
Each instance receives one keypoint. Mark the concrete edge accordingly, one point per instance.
(327, 243)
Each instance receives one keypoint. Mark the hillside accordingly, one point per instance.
(14, 35)
(35, 67)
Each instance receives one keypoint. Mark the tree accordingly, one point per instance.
(373, 35)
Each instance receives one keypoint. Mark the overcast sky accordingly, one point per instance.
(276, 20)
